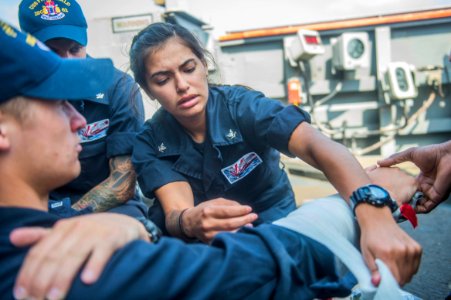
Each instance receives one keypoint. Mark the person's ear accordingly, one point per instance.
(4, 138)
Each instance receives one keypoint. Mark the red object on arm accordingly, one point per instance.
(409, 213)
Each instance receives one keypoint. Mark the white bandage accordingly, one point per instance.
(330, 222)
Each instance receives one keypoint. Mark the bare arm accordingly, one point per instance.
(115, 190)
(203, 221)
(174, 198)
(333, 159)
(381, 236)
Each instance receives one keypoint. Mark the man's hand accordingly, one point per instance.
(382, 238)
(399, 184)
(58, 253)
(209, 218)
(434, 179)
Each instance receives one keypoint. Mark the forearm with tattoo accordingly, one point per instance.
(113, 191)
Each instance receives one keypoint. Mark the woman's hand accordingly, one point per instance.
(382, 238)
(58, 253)
(209, 218)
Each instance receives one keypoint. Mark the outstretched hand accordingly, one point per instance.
(434, 180)
(209, 218)
(58, 253)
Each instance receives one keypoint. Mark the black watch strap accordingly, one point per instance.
(374, 195)
(153, 230)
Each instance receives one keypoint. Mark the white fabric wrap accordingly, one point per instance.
(330, 222)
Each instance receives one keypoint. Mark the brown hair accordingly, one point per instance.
(154, 36)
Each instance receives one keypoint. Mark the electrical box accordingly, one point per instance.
(305, 45)
(400, 80)
(351, 51)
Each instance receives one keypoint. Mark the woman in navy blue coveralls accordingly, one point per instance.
(210, 155)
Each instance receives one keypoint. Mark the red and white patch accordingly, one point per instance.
(94, 131)
(242, 167)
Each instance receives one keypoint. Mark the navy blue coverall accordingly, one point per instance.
(265, 262)
(239, 160)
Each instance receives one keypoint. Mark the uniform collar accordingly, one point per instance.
(222, 128)
(169, 136)
(101, 96)
(171, 139)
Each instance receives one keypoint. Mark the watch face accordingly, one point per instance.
(378, 192)
(374, 195)
(355, 48)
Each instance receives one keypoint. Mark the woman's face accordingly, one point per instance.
(177, 78)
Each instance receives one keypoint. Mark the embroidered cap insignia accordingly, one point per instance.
(51, 11)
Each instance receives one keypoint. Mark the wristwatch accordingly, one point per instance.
(152, 229)
(373, 195)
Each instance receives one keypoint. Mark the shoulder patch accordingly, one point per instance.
(242, 167)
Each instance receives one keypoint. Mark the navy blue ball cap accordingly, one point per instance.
(29, 68)
(49, 19)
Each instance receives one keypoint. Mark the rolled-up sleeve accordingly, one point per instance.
(266, 121)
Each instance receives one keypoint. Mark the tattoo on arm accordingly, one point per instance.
(114, 190)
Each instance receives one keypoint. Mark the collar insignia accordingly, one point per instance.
(231, 135)
(162, 148)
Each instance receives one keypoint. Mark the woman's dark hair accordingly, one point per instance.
(154, 36)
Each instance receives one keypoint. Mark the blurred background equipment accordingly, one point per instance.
(375, 84)
(351, 50)
(305, 45)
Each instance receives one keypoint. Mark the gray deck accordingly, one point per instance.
(433, 280)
